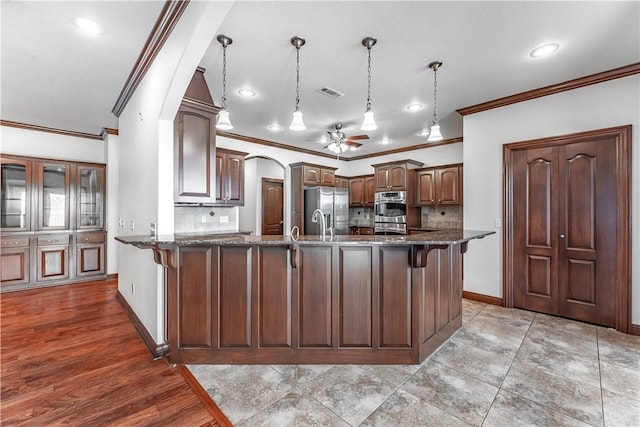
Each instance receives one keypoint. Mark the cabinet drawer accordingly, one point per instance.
(15, 242)
(53, 240)
(90, 238)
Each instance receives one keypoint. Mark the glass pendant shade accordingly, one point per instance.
(369, 122)
(296, 122)
(435, 134)
(224, 122)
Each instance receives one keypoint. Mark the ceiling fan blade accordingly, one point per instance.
(358, 137)
(352, 144)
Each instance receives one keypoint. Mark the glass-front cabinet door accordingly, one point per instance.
(15, 201)
(53, 196)
(90, 197)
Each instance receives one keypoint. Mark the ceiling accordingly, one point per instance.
(54, 77)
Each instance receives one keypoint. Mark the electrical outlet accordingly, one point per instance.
(498, 222)
(121, 222)
(133, 224)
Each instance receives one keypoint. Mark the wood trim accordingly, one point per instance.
(112, 276)
(167, 20)
(37, 128)
(404, 149)
(157, 350)
(592, 79)
(623, 186)
(635, 330)
(487, 299)
(204, 397)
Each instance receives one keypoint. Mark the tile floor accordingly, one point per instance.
(504, 367)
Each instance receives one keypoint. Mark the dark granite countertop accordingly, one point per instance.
(441, 237)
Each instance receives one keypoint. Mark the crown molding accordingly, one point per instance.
(409, 148)
(37, 128)
(592, 79)
(169, 16)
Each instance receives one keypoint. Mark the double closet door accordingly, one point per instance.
(564, 204)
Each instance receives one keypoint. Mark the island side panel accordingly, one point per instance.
(275, 297)
(355, 295)
(395, 296)
(194, 291)
(315, 296)
(234, 269)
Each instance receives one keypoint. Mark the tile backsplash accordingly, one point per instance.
(441, 217)
(189, 219)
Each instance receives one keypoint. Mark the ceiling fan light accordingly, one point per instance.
(296, 123)
(368, 123)
(435, 134)
(224, 122)
(343, 148)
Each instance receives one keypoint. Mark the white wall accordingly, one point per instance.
(609, 104)
(146, 156)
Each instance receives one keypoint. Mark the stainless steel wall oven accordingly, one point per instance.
(390, 212)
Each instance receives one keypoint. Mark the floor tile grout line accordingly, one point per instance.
(600, 377)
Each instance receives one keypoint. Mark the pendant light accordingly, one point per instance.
(435, 134)
(224, 122)
(297, 123)
(368, 123)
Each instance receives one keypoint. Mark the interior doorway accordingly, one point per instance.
(272, 206)
(566, 237)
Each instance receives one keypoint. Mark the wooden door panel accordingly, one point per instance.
(382, 179)
(234, 287)
(588, 209)
(444, 286)
(90, 259)
(221, 182)
(275, 297)
(53, 263)
(539, 206)
(369, 191)
(195, 325)
(539, 276)
(449, 186)
(235, 179)
(395, 296)
(14, 266)
(397, 178)
(356, 192)
(195, 140)
(315, 302)
(355, 288)
(426, 188)
(429, 315)
(272, 207)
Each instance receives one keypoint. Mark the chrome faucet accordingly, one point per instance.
(323, 223)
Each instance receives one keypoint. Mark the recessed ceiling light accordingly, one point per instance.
(414, 107)
(424, 132)
(544, 50)
(385, 141)
(246, 92)
(88, 26)
(274, 127)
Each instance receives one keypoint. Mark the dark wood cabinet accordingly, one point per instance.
(395, 176)
(230, 177)
(15, 261)
(58, 202)
(362, 191)
(318, 175)
(194, 153)
(341, 182)
(439, 186)
(90, 254)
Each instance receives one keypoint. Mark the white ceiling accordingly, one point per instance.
(53, 77)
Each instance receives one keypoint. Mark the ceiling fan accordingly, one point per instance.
(340, 142)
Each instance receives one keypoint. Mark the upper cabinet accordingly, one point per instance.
(439, 186)
(90, 197)
(394, 176)
(54, 195)
(341, 182)
(194, 144)
(230, 177)
(317, 175)
(15, 201)
(362, 191)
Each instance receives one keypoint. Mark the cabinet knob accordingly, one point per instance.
(562, 236)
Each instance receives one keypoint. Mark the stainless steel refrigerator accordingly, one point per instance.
(334, 204)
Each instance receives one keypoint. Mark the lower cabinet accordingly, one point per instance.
(52, 253)
(41, 260)
(318, 303)
(15, 261)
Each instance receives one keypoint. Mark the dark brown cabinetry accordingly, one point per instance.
(90, 254)
(394, 176)
(318, 175)
(230, 177)
(341, 182)
(45, 202)
(439, 186)
(194, 153)
(362, 191)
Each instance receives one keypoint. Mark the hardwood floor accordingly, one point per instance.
(69, 355)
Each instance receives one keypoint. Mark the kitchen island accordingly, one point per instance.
(237, 299)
